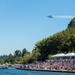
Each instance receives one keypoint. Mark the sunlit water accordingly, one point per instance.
(27, 72)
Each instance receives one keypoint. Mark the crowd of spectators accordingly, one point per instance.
(60, 64)
(53, 64)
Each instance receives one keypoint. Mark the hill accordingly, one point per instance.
(72, 23)
(61, 42)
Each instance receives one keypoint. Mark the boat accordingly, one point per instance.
(4, 66)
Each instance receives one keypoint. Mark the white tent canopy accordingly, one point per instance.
(64, 55)
(58, 55)
(70, 54)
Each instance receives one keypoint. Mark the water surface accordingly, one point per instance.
(27, 72)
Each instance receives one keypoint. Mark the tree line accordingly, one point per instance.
(61, 42)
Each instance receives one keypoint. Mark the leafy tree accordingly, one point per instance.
(18, 60)
(35, 55)
(60, 42)
(27, 58)
(1, 62)
(4, 57)
(24, 51)
(10, 56)
(10, 59)
(72, 23)
(17, 53)
(69, 45)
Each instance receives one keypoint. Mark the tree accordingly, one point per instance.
(10, 56)
(72, 23)
(27, 58)
(17, 53)
(1, 62)
(60, 42)
(35, 55)
(18, 60)
(24, 51)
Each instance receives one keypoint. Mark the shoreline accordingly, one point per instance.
(64, 71)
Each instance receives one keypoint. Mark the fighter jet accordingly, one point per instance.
(49, 16)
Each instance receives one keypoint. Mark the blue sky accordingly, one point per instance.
(25, 22)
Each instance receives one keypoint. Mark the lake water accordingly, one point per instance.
(27, 72)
